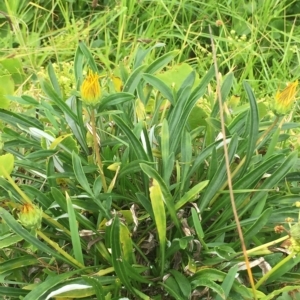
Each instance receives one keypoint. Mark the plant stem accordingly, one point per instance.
(97, 150)
(274, 269)
(268, 130)
(26, 199)
(227, 163)
(59, 250)
(265, 246)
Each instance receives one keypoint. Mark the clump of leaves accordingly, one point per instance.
(162, 227)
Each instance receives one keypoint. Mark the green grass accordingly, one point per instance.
(160, 224)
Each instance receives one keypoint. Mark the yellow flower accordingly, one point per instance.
(90, 89)
(284, 100)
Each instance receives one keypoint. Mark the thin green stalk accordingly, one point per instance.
(59, 250)
(227, 163)
(97, 150)
(26, 199)
(274, 269)
(268, 130)
(265, 246)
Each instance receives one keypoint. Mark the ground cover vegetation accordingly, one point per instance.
(149, 149)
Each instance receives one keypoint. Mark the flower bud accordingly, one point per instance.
(30, 216)
(90, 89)
(284, 100)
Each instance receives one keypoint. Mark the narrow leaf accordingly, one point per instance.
(74, 231)
(157, 202)
(79, 173)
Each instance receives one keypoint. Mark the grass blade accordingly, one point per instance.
(152, 173)
(220, 177)
(136, 145)
(158, 207)
(87, 54)
(79, 173)
(253, 128)
(47, 285)
(74, 231)
(161, 86)
(117, 257)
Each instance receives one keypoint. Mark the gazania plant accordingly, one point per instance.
(127, 188)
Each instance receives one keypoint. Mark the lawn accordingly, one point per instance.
(149, 149)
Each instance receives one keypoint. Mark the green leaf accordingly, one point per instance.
(228, 281)
(279, 291)
(133, 80)
(168, 164)
(76, 243)
(15, 67)
(152, 173)
(17, 119)
(209, 284)
(197, 117)
(157, 202)
(81, 219)
(186, 158)
(17, 263)
(114, 99)
(249, 181)
(58, 141)
(191, 195)
(136, 145)
(172, 287)
(54, 80)
(7, 87)
(179, 114)
(117, 256)
(161, 86)
(220, 177)
(88, 56)
(78, 128)
(145, 203)
(161, 62)
(258, 224)
(206, 152)
(79, 173)
(271, 181)
(78, 67)
(46, 87)
(252, 128)
(73, 291)
(142, 53)
(183, 283)
(126, 242)
(209, 273)
(225, 90)
(197, 224)
(216, 125)
(8, 240)
(48, 284)
(97, 286)
(272, 145)
(283, 269)
(6, 164)
(12, 292)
